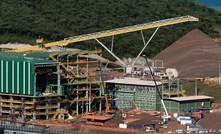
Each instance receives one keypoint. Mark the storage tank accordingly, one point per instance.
(172, 72)
(147, 70)
(128, 70)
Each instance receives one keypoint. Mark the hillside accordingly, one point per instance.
(203, 89)
(193, 55)
(23, 21)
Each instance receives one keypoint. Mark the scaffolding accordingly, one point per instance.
(62, 84)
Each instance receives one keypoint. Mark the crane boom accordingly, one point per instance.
(128, 29)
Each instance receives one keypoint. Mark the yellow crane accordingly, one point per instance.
(107, 105)
(112, 32)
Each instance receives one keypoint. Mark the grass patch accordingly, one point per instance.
(203, 89)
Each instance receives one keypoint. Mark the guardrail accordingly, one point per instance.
(37, 130)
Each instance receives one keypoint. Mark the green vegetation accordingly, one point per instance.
(203, 89)
(24, 20)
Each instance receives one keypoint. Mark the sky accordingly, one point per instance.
(211, 3)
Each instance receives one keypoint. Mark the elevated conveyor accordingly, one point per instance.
(117, 31)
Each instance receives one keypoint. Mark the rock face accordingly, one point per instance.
(193, 55)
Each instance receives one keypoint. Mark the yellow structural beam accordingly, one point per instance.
(123, 30)
(35, 48)
(128, 29)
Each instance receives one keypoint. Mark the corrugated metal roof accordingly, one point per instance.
(130, 120)
(143, 119)
(19, 57)
(189, 98)
(116, 120)
(38, 54)
(133, 82)
(96, 117)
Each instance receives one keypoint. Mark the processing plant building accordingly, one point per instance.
(40, 84)
(143, 93)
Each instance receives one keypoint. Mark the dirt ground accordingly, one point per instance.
(193, 55)
(211, 121)
(108, 130)
(172, 126)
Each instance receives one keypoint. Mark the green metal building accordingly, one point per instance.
(17, 73)
(142, 93)
(183, 104)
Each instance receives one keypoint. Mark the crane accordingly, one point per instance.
(106, 33)
(161, 99)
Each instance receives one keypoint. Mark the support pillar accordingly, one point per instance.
(143, 68)
(68, 67)
(77, 65)
(34, 111)
(46, 110)
(23, 100)
(77, 100)
(59, 106)
(169, 88)
(145, 46)
(11, 103)
(35, 84)
(0, 105)
(100, 65)
(77, 103)
(178, 89)
(87, 86)
(162, 89)
(59, 79)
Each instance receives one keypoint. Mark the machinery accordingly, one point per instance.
(61, 115)
(134, 104)
(107, 105)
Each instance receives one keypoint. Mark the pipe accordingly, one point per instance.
(90, 96)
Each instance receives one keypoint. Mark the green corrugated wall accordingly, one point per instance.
(16, 77)
(184, 106)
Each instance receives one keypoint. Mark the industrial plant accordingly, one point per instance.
(72, 87)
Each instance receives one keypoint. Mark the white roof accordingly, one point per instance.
(188, 98)
(133, 82)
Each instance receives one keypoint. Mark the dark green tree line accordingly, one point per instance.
(24, 20)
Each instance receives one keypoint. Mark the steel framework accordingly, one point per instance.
(112, 32)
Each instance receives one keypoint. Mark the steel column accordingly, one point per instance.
(142, 37)
(87, 86)
(34, 111)
(0, 105)
(145, 45)
(110, 52)
(59, 79)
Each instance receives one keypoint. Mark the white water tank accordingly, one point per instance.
(172, 72)
(128, 70)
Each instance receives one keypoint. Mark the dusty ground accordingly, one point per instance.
(193, 55)
(172, 126)
(108, 130)
(211, 121)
